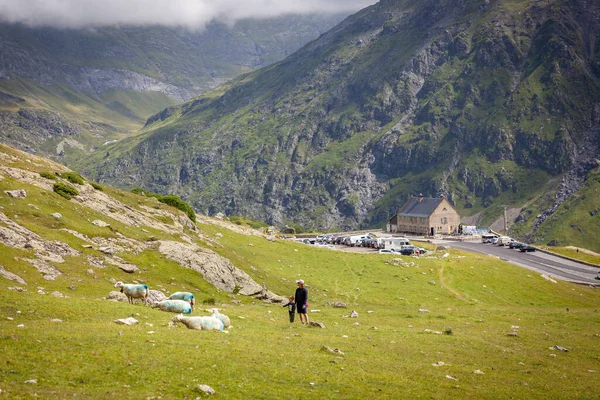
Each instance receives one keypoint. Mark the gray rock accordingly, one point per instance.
(330, 350)
(17, 194)
(126, 321)
(353, 314)
(100, 223)
(205, 389)
(316, 324)
(57, 215)
(117, 296)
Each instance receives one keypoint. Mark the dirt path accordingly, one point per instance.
(449, 288)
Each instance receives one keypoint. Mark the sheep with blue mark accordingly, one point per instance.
(175, 306)
(204, 323)
(134, 291)
(222, 317)
(187, 296)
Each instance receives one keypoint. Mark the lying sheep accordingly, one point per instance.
(176, 306)
(223, 318)
(187, 296)
(206, 323)
(134, 291)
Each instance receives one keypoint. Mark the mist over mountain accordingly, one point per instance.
(65, 92)
(493, 103)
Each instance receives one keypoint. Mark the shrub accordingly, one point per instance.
(138, 191)
(209, 301)
(97, 186)
(72, 177)
(170, 199)
(176, 202)
(48, 175)
(66, 191)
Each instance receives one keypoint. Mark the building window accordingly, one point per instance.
(444, 220)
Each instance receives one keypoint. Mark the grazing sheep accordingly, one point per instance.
(223, 318)
(187, 296)
(176, 306)
(134, 291)
(205, 323)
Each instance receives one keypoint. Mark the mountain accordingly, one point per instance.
(493, 103)
(65, 92)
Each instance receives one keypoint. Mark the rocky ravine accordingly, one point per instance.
(48, 254)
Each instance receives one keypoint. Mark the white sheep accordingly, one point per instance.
(187, 296)
(134, 291)
(205, 323)
(176, 306)
(222, 317)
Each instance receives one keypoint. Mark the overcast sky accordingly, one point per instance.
(189, 13)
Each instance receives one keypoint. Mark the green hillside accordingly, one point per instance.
(474, 325)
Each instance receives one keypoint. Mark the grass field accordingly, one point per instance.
(446, 325)
(473, 301)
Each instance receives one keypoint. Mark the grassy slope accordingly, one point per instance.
(479, 299)
(577, 221)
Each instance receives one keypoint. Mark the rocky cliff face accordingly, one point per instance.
(468, 98)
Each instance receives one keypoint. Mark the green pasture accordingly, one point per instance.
(470, 303)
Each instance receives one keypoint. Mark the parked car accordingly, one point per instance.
(598, 276)
(421, 250)
(386, 251)
(527, 248)
(408, 250)
(514, 245)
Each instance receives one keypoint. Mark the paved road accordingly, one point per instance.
(543, 263)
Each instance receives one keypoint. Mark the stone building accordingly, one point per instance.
(425, 216)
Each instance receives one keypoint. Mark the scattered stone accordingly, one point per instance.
(335, 351)
(116, 296)
(424, 310)
(16, 288)
(48, 272)
(100, 223)
(515, 327)
(353, 314)
(374, 328)
(370, 311)
(11, 277)
(56, 320)
(512, 334)
(155, 296)
(58, 294)
(87, 246)
(205, 389)
(556, 347)
(339, 304)
(315, 311)
(57, 215)
(17, 194)
(432, 331)
(72, 287)
(451, 377)
(40, 291)
(21, 326)
(107, 250)
(357, 323)
(126, 321)
(439, 364)
(10, 318)
(90, 272)
(31, 381)
(546, 277)
(316, 324)
(478, 372)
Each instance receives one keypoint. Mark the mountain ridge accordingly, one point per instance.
(468, 99)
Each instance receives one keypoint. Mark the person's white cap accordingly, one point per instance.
(300, 281)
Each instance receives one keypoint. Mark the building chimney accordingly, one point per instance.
(420, 197)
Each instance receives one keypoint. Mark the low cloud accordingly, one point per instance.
(189, 13)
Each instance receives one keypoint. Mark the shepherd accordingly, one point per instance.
(301, 300)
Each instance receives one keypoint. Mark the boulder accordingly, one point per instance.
(17, 194)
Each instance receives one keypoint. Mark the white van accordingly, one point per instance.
(394, 243)
(503, 241)
(355, 240)
(488, 238)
